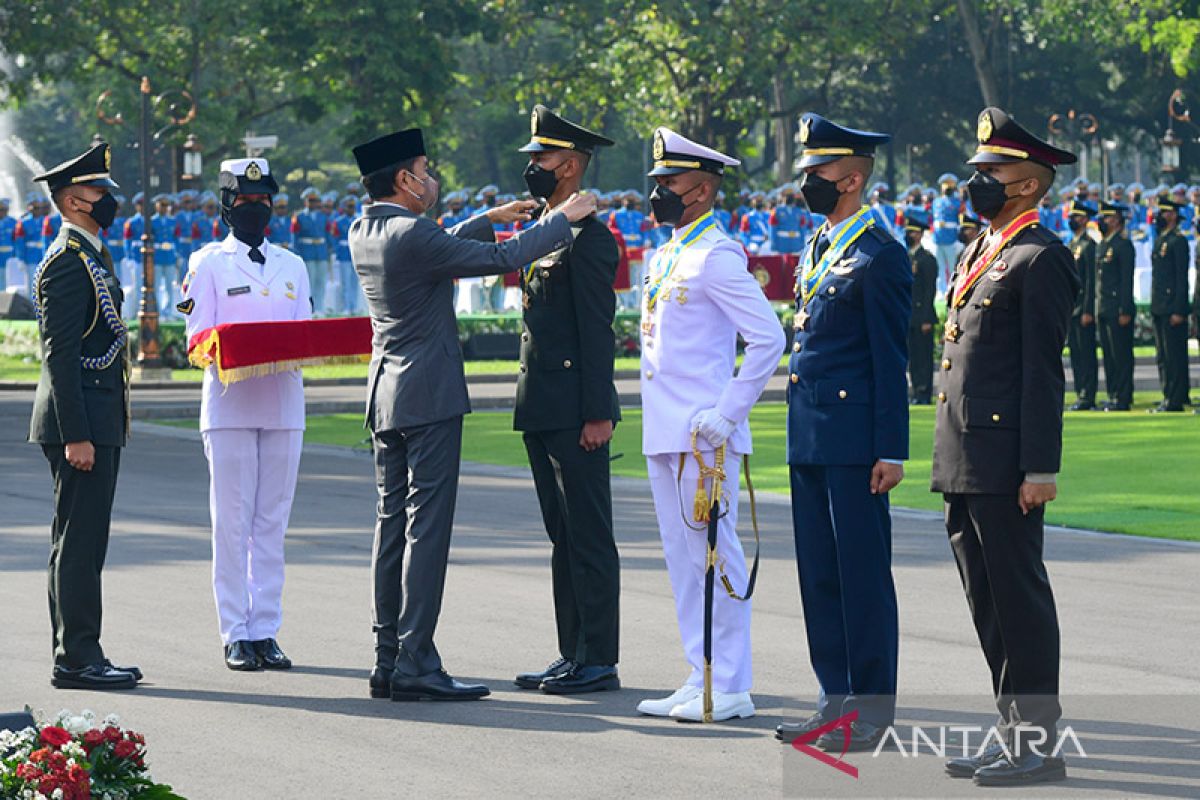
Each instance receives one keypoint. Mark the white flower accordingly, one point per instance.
(58, 795)
(112, 720)
(77, 725)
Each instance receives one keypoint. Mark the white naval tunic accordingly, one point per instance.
(689, 347)
(252, 430)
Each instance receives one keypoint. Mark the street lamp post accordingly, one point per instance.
(149, 360)
(1076, 126)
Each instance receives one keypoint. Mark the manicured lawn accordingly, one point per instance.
(1129, 473)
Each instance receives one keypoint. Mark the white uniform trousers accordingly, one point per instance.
(685, 550)
(252, 482)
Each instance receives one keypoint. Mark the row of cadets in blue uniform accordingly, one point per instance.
(30, 242)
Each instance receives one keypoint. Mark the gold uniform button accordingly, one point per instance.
(987, 302)
(995, 417)
(942, 396)
(833, 290)
(842, 394)
(567, 363)
(649, 374)
(796, 347)
(795, 378)
(945, 363)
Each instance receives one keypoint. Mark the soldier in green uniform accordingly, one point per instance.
(80, 413)
(566, 408)
(924, 314)
(1081, 336)
(1169, 307)
(1115, 309)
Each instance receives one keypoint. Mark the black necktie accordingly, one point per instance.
(256, 256)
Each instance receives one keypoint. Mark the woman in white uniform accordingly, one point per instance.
(253, 429)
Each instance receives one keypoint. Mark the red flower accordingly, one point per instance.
(28, 771)
(93, 739)
(55, 736)
(112, 734)
(124, 749)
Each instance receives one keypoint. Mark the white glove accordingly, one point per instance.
(712, 426)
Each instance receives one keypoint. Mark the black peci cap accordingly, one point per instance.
(390, 149)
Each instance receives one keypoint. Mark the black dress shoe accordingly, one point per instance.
(967, 766)
(1082, 405)
(1166, 408)
(270, 655)
(1021, 770)
(863, 736)
(532, 680)
(381, 683)
(582, 679)
(242, 657)
(100, 677)
(1116, 406)
(135, 671)
(788, 731)
(435, 686)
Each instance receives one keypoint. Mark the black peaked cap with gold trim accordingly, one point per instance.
(1003, 141)
(824, 141)
(89, 169)
(549, 131)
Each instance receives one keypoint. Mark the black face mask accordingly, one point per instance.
(1076, 225)
(104, 210)
(669, 207)
(249, 221)
(541, 181)
(821, 194)
(988, 195)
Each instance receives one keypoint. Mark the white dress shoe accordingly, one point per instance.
(725, 706)
(662, 708)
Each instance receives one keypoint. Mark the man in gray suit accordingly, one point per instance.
(417, 394)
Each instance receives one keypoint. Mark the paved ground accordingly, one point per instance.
(1131, 642)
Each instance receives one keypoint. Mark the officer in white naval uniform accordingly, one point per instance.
(697, 299)
(252, 429)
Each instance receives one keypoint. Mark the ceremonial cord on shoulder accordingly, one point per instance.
(104, 307)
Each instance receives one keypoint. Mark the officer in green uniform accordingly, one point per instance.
(1081, 336)
(924, 314)
(1169, 307)
(1115, 309)
(81, 413)
(566, 408)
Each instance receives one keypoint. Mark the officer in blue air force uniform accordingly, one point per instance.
(253, 430)
(847, 435)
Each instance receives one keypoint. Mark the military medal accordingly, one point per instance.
(801, 319)
(686, 239)
(983, 263)
(952, 331)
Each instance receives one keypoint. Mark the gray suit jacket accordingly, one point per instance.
(407, 265)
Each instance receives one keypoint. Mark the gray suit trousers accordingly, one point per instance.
(416, 472)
